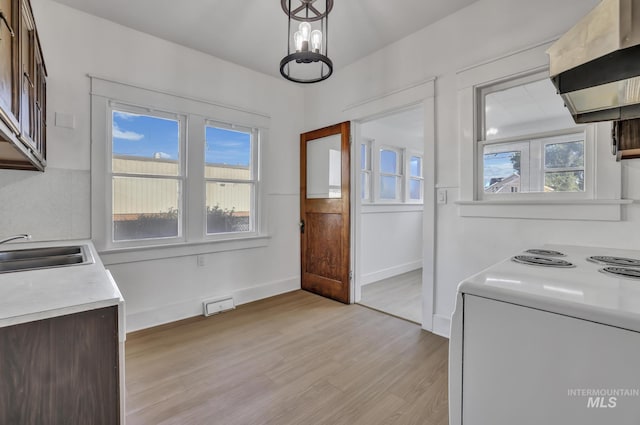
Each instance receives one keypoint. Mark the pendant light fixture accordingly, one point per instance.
(307, 41)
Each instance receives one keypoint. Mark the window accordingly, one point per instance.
(521, 154)
(230, 178)
(416, 178)
(529, 142)
(147, 174)
(390, 174)
(365, 170)
(173, 172)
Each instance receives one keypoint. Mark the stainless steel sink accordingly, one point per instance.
(43, 258)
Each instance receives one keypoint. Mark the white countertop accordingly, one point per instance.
(31, 295)
(581, 292)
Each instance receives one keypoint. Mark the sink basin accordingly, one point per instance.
(43, 258)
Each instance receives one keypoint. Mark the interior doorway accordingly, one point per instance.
(390, 188)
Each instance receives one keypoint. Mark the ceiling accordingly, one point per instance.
(253, 33)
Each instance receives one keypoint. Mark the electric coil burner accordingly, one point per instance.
(545, 252)
(624, 272)
(614, 261)
(535, 260)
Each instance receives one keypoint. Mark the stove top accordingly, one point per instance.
(572, 284)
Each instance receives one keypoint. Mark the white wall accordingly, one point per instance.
(56, 205)
(481, 32)
(391, 238)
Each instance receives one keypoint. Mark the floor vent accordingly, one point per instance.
(218, 305)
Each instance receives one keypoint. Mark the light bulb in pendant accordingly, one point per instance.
(316, 41)
(297, 41)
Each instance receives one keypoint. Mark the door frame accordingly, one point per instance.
(422, 93)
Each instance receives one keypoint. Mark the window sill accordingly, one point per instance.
(390, 208)
(157, 252)
(596, 210)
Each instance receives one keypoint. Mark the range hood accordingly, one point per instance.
(596, 65)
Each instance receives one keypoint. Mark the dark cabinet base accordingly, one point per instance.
(62, 370)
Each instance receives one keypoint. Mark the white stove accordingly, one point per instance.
(549, 336)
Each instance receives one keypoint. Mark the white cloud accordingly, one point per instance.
(123, 115)
(126, 135)
(162, 155)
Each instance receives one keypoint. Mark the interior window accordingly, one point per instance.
(529, 142)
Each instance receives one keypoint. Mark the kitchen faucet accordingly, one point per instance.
(11, 238)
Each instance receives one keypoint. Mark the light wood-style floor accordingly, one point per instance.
(400, 296)
(294, 359)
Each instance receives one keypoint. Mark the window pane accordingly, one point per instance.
(229, 148)
(366, 184)
(502, 172)
(415, 189)
(568, 181)
(145, 208)
(564, 155)
(388, 162)
(415, 166)
(145, 144)
(389, 187)
(524, 109)
(229, 207)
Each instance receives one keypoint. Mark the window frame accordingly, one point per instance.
(606, 201)
(254, 181)
(197, 112)
(409, 177)
(114, 106)
(367, 144)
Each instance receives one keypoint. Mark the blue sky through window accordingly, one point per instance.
(145, 136)
(388, 162)
(227, 147)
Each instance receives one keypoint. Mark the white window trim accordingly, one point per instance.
(198, 111)
(368, 144)
(605, 201)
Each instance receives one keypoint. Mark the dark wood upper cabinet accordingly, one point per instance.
(22, 89)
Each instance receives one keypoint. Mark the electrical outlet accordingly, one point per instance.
(200, 260)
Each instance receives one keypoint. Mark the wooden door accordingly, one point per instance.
(324, 211)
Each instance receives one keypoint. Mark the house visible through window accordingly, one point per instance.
(147, 175)
(529, 142)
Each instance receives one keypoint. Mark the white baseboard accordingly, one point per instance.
(390, 272)
(441, 325)
(183, 310)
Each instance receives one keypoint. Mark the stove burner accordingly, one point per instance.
(614, 261)
(533, 260)
(623, 272)
(545, 252)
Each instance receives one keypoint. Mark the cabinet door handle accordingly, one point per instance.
(13, 34)
(29, 79)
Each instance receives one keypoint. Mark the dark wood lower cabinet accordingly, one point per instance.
(62, 370)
